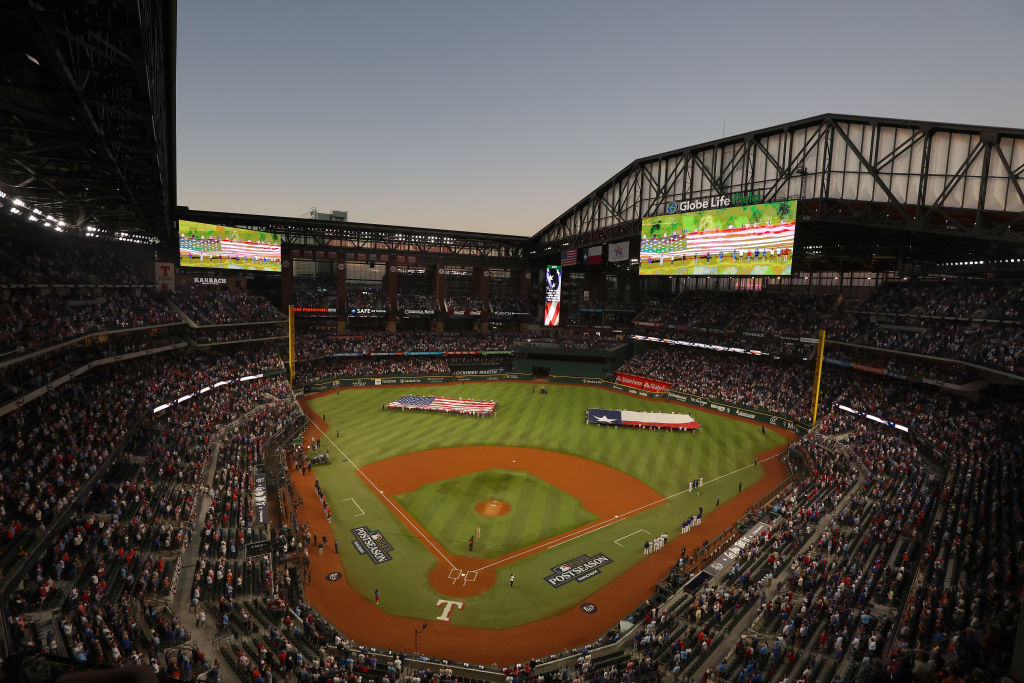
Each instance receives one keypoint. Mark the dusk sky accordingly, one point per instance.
(498, 116)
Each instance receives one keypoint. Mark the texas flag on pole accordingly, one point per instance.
(632, 418)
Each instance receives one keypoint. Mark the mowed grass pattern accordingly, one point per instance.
(665, 460)
(538, 511)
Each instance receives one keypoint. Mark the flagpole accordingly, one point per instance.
(291, 343)
(819, 357)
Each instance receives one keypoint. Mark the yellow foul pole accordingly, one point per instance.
(291, 343)
(819, 357)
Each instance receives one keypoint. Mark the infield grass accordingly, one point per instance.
(538, 511)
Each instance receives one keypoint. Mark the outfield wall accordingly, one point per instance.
(346, 382)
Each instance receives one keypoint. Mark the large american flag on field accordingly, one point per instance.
(727, 240)
(445, 405)
(250, 249)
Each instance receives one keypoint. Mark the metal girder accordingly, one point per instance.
(90, 112)
(923, 177)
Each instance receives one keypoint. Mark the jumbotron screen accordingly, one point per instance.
(202, 245)
(754, 239)
(552, 295)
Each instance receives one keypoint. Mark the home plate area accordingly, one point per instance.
(456, 575)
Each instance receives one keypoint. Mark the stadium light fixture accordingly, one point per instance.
(33, 218)
(18, 202)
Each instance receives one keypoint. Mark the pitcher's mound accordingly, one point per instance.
(492, 508)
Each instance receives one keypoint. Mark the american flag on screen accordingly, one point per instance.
(446, 405)
(742, 239)
(552, 310)
(250, 249)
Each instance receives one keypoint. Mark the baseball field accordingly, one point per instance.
(563, 506)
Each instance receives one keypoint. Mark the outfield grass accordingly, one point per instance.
(538, 511)
(722, 453)
(665, 460)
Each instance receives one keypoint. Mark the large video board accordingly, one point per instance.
(755, 239)
(552, 295)
(202, 245)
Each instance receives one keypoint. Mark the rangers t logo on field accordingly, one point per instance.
(372, 544)
(578, 569)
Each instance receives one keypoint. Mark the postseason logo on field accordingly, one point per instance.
(578, 569)
(372, 544)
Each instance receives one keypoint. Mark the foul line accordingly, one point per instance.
(572, 536)
(638, 531)
(412, 525)
(356, 504)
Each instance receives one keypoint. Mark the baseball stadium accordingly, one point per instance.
(750, 410)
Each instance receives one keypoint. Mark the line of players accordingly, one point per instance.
(779, 254)
(656, 544)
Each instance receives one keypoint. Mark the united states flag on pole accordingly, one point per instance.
(569, 257)
(444, 405)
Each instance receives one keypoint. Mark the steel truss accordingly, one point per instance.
(86, 111)
(916, 176)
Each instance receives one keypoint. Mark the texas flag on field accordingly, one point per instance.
(632, 418)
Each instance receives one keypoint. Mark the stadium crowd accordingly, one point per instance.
(30, 373)
(329, 368)
(457, 305)
(71, 261)
(372, 301)
(888, 556)
(214, 335)
(219, 306)
(889, 318)
(416, 302)
(775, 386)
(115, 554)
(30, 318)
(508, 305)
(315, 295)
